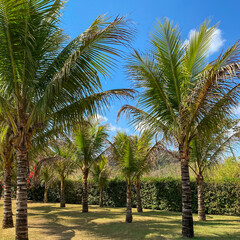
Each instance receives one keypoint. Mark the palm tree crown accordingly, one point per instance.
(181, 93)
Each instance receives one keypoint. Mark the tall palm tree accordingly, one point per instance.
(6, 152)
(89, 142)
(100, 173)
(182, 94)
(205, 153)
(49, 79)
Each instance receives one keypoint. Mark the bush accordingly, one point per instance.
(222, 197)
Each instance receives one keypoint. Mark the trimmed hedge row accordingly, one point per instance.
(163, 194)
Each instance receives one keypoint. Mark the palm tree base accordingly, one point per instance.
(187, 232)
(202, 218)
(62, 205)
(7, 222)
(129, 218)
(139, 210)
(85, 210)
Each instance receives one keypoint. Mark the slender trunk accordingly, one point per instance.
(129, 203)
(138, 191)
(62, 200)
(201, 208)
(100, 197)
(187, 219)
(45, 194)
(85, 191)
(7, 207)
(21, 211)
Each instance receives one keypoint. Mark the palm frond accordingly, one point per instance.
(146, 73)
(77, 69)
(218, 92)
(168, 52)
(143, 120)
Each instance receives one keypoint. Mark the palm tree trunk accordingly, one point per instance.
(129, 203)
(187, 219)
(21, 211)
(100, 197)
(138, 191)
(201, 208)
(45, 194)
(62, 200)
(7, 207)
(85, 191)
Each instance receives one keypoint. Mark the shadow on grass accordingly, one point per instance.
(45, 209)
(103, 223)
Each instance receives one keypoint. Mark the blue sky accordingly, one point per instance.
(188, 14)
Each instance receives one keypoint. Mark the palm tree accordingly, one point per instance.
(50, 80)
(181, 94)
(6, 152)
(205, 153)
(135, 156)
(145, 160)
(60, 162)
(89, 142)
(124, 155)
(46, 177)
(100, 175)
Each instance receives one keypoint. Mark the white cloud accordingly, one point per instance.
(101, 118)
(236, 110)
(114, 128)
(217, 41)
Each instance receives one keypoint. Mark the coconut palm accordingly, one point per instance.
(50, 80)
(64, 168)
(60, 162)
(90, 143)
(135, 156)
(181, 94)
(6, 152)
(206, 152)
(46, 178)
(123, 153)
(100, 173)
(145, 161)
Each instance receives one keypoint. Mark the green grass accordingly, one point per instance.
(49, 222)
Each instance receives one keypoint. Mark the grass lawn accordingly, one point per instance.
(49, 222)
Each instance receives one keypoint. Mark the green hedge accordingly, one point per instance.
(164, 194)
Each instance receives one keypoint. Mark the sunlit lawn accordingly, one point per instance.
(48, 221)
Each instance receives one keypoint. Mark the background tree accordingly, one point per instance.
(100, 173)
(89, 142)
(144, 161)
(48, 78)
(206, 152)
(229, 169)
(181, 94)
(7, 156)
(124, 155)
(46, 178)
(61, 163)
